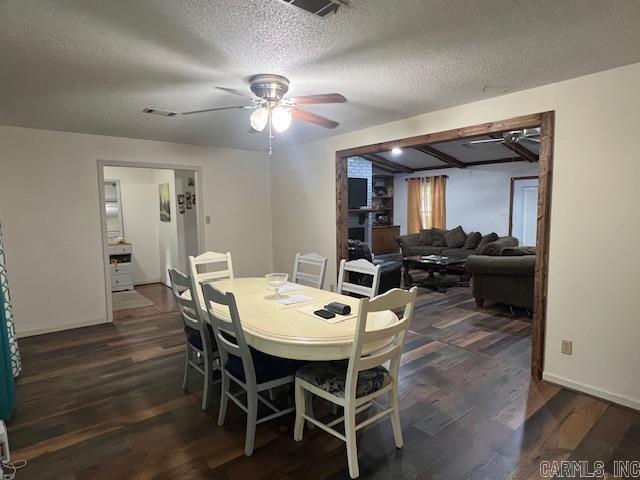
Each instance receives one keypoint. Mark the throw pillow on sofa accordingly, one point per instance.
(455, 238)
(425, 238)
(473, 240)
(492, 237)
(438, 237)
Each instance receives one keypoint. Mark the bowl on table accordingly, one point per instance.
(276, 281)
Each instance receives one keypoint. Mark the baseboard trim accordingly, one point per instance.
(61, 328)
(148, 282)
(593, 391)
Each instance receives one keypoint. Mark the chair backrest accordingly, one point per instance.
(228, 331)
(201, 268)
(391, 338)
(363, 267)
(310, 261)
(188, 307)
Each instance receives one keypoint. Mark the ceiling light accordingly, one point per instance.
(259, 119)
(396, 151)
(281, 118)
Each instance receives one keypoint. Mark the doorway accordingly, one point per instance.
(524, 209)
(151, 223)
(493, 131)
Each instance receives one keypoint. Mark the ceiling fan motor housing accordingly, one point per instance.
(269, 87)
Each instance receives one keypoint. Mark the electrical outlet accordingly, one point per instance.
(567, 347)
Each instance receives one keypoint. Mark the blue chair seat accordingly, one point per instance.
(331, 377)
(267, 366)
(196, 340)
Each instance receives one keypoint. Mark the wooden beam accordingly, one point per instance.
(517, 123)
(387, 164)
(443, 157)
(518, 149)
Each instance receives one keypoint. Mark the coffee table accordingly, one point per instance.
(440, 265)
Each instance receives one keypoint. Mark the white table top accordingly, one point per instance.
(284, 331)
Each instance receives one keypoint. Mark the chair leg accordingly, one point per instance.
(395, 417)
(208, 384)
(350, 435)
(224, 399)
(308, 407)
(187, 358)
(252, 418)
(300, 410)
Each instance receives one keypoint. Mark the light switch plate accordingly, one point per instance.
(207, 219)
(567, 347)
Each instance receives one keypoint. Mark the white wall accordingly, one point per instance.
(595, 202)
(49, 208)
(187, 221)
(139, 194)
(477, 197)
(167, 231)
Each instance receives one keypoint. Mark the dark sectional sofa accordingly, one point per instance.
(502, 272)
(453, 243)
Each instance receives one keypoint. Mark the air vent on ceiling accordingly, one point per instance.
(321, 8)
(162, 113)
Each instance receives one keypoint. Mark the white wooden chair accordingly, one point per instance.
(199, 336)
(252, 370)
(309, 261)
(360, 266)
(356, 386)
(201, 268)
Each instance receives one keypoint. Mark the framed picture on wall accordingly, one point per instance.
(191, 182)
(165, 202)
(181, 208)
(193, 199)
(181, 199)
(188, 200)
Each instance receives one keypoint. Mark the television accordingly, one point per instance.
(358, 192)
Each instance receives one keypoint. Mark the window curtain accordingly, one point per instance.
(5, 306)
(426, 204)
(7, 386)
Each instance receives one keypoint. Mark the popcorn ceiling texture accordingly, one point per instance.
(92, 65)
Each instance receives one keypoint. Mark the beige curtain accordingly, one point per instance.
(439, 202)
(426, 203)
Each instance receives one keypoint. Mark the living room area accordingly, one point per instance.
(457, 217)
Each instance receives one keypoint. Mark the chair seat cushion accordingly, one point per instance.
(331, 377)
(267, 366)
(196, 340)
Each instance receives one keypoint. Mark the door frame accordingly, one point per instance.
(103, 216)
(545, 120)
(512, 192)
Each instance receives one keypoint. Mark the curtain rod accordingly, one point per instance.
(432, 176)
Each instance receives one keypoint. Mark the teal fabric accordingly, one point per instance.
(7, 386)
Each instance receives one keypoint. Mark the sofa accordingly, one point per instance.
(390, 272)
(453, 243)
(505, 278)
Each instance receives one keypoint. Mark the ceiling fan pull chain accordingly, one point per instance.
(270, 134)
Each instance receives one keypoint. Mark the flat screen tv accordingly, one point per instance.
(357, 192)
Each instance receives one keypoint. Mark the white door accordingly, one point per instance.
(524, 215)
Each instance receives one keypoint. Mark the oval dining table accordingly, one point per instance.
(283, 331)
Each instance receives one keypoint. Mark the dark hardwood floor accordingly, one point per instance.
(158, 293)
(105, 402)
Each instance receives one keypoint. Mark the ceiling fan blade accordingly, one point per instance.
(530, 139)
(218, 109)
(492, 140)
(234, 91)
(314, 118)
(316, 99)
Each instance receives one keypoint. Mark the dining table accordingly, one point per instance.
(280, 329)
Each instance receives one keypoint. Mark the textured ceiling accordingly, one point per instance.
(93, 65)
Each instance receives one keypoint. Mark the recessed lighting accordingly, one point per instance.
(396, 151)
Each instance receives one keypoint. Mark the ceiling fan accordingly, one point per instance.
(514, 136)
(272, 110)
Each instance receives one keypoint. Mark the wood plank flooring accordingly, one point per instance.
(105, 402)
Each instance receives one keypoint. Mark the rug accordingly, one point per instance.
(129, 299)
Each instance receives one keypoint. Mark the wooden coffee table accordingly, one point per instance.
(442, 266)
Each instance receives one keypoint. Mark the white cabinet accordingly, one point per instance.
(120, 266)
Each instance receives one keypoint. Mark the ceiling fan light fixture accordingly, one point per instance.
(281, 118)
(396, 151)
(259, 119)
